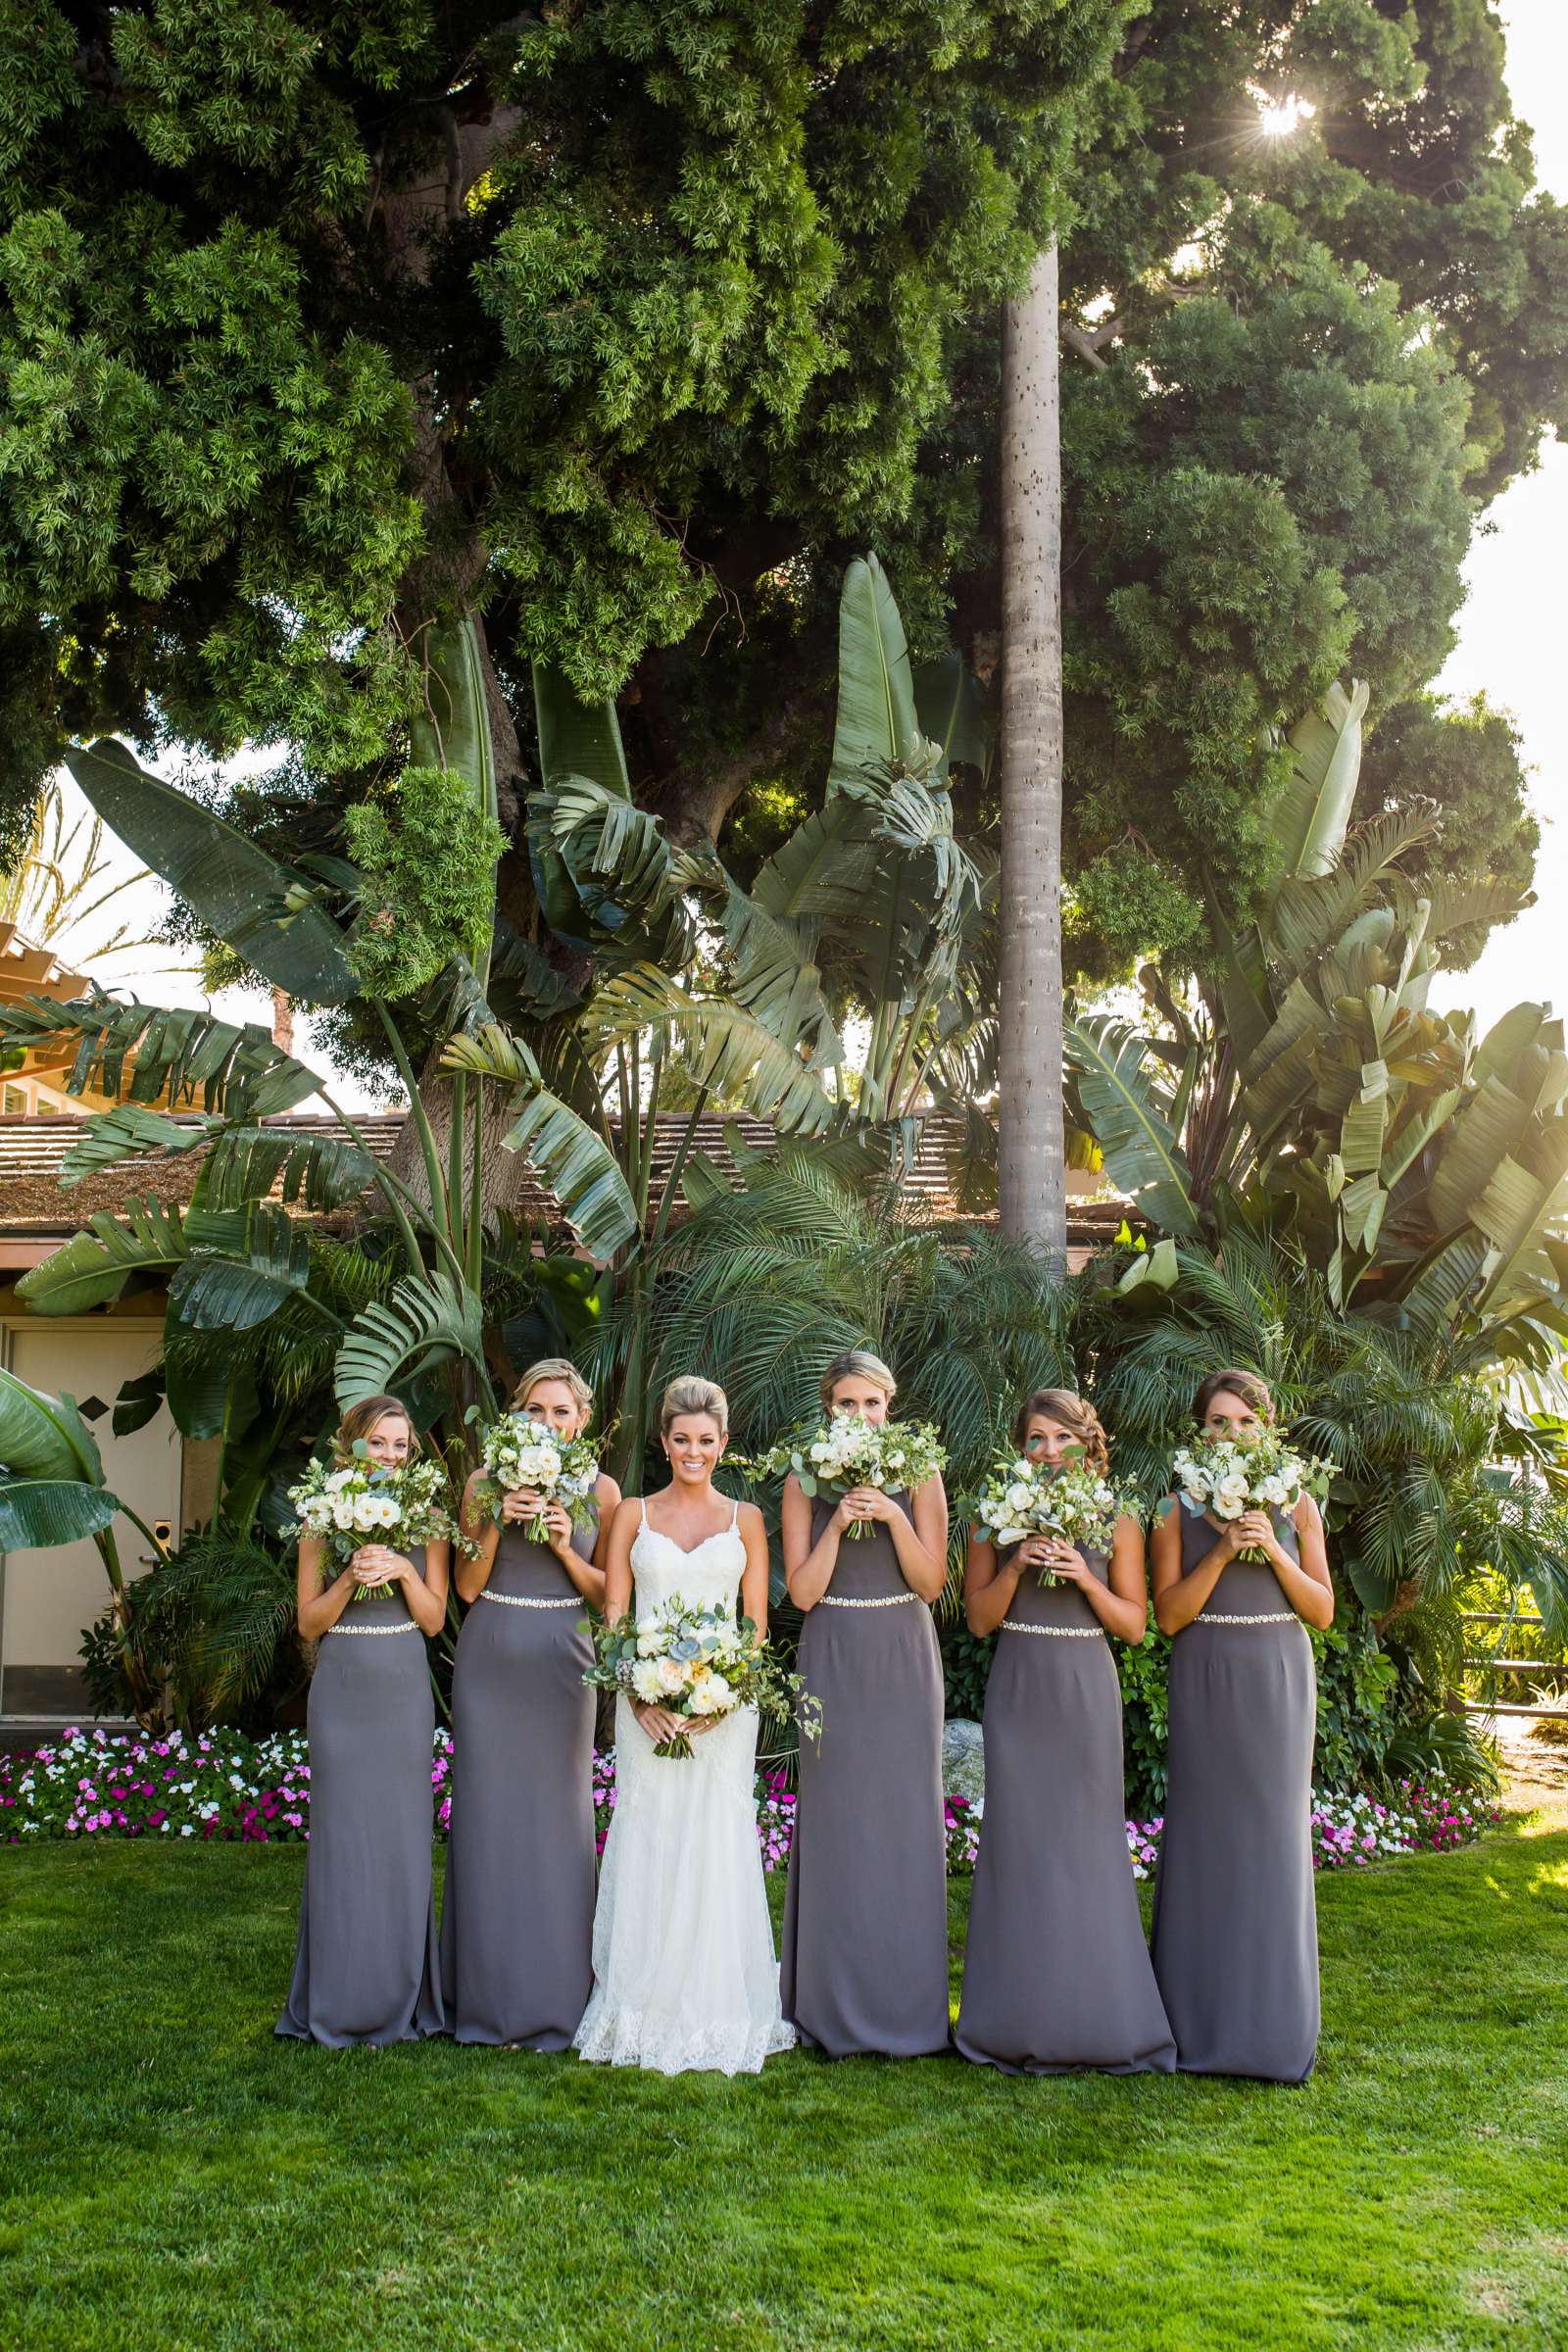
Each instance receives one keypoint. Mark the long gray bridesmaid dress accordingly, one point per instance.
(1056, 1973)
(365, 1965)
(1235, 1943)
(516, 1927)
(864, 1965)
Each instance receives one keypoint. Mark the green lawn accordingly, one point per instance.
(176, 2177)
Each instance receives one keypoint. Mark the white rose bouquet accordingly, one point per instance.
(697, 1663)
(1022, 1498)
(1222, 1480)
(848, 1451)
(519, 1452)
(362, 1502)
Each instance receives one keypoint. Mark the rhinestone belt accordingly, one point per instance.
(1062, 1633)
(1264, 1617)
(873, 1600)
(532, 1600)
(408, 1626)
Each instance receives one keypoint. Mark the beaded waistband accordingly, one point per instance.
(404, 1625)
(1062, 1633)
(872, 1600)
(532, 1600)
(1264, 1617)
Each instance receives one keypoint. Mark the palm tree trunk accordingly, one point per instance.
(1033, 1186)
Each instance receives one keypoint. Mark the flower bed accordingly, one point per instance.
(220, 1784)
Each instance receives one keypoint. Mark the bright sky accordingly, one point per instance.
(1513, 641)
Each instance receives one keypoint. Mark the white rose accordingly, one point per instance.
(1023, 1469)
(1232, 1489)
(1018, 1497)
(710, 1695)
(647, 1643)
(343, 1515)
(1273, 1491)
(672, 1674)
(340, 1478)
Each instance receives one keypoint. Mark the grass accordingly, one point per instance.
(177, 2177)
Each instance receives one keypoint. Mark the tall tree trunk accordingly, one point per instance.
(282, 1020)
(1033, 1189)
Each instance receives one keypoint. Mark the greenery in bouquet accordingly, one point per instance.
(359, 1501)
(848, 1451)
(517, 1453)
(702, 1664)
(1222, 1480)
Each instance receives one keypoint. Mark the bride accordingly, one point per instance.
(684, 1971)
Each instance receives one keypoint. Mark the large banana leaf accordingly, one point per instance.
(1127, 1120)
(262, 909)
(1479, 1139)
(43, 1511)
(243, 1265)
(45, 1437)
(319, 1172)
(776, 976)
(819, 867)
(629, 879)
(427, 1322)
(1314, 808)
(97, 1264)
(576, 1162)
(954, 711)
(1306, 916)
(724, 1047)
(876, 723)
(577, 739)
(150, 1052)
(126, 1133)
(453, 728)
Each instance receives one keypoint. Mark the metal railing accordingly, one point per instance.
(1553, 1669)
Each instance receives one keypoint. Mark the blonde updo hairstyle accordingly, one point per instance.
(359, 1419)
(1070, 1412)
(554, 1367)
(856, 1363)
(691, 1394)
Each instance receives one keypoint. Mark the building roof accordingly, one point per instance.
(36, 1206)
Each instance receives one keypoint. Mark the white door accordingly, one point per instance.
(48, 1598)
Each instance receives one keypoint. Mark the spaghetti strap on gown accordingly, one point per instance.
(685, 1977)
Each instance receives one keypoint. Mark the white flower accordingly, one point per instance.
(672, 1674)
(710, 1695)
(1273, 1491)
(1018, 1497)
(1232, 1489)
(645, 1681)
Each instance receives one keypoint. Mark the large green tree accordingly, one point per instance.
(1314, 316)
(620, 323)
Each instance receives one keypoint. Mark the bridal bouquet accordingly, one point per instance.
(848, 1451)
(1022, 1498)
(363, 1504)
(1217, 1477)
(519, 1452)
(697, 1663)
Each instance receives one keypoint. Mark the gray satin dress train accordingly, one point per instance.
(516, 1925)
(863, 1966)
(365, 1965)
(1235, 1942)
(1056, 1973)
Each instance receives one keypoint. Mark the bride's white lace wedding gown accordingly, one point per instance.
(684, 1971)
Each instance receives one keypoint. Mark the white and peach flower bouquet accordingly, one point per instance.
(516, 1452)
(1069, 1499)
(848, 1451)
(1219, 1479)
(700, 1664)
(360, 1502)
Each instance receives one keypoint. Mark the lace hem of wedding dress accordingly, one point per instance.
(627, 2037)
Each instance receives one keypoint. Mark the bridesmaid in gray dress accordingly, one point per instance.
(1235, 1919)
(1056, 1973)
(516, 1925)
(864, 1958)
(366, 1966)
